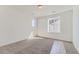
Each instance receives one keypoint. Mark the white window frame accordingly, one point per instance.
(54, 24)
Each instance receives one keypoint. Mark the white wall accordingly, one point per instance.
(76, 27)
(15, 24)
(66, 19)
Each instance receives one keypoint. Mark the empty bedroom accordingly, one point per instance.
(39, 29)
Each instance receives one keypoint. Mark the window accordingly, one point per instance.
(54, 24)
(34, 22)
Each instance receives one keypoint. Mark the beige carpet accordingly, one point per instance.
(34, 46)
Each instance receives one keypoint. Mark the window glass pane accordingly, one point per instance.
(34, 22)
(54, 24)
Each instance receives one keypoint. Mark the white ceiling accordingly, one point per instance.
(32, 10)
(51, 9)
